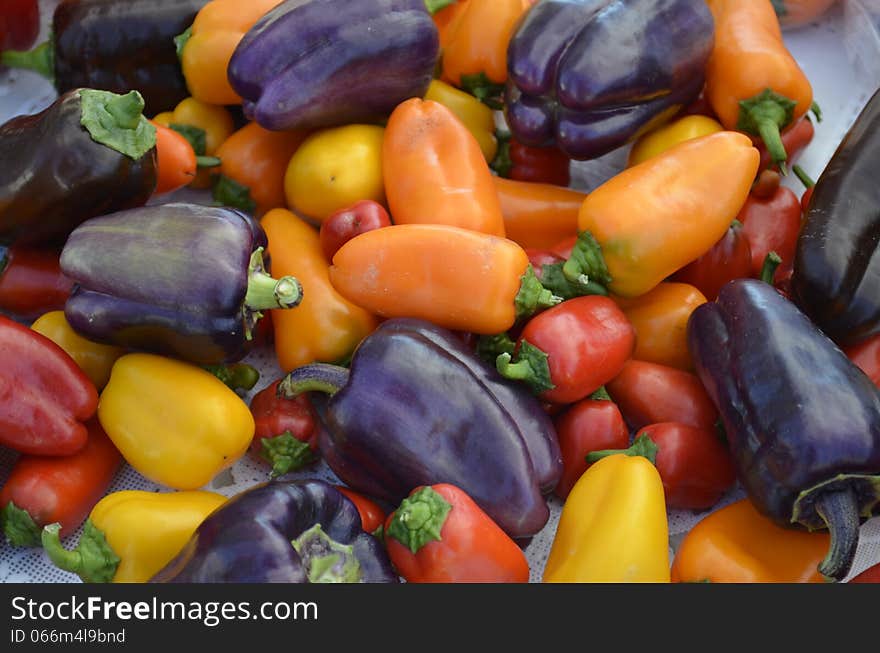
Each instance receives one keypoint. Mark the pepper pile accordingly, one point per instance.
(459, 334)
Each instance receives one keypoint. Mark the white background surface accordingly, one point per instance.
(841, 56)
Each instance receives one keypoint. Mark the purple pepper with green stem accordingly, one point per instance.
(183, 280)
(802, 421)
(320, 63)
(282, 532)
(591, 75)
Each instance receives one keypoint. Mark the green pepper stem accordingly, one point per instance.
(92, 560)
(502, 163)
(19, 527)
(239, 376)
(265, 292)
(765, 115)
(419, 519)
(586, 266)
(642, 446)
(839, 509)
(181, 40)
(117, 121)
(286, 454)
(208, 161)
(600, 395)
(768, 269)
(325, 560)
(40, 60)
(316, 377)
(532, 367)
(801, 174)
(532, 296)
(484, 89)
(433, 6)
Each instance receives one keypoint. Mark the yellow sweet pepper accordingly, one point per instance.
(95, 359)
(613, 527)
(173, 422)
(476, 116)
(333, 169)
(131, 535)
(661, 139)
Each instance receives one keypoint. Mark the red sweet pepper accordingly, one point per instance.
(345, 224)
(19, 24)
(286, 430)
(794, 140)
(44, 396)
(866, 356)
(44, 490)
(694, 465)
(589, 425)
(31, 282)
(870, 575)
(372, 515)
(569, 351)
(648, 393)
(439, 535)
(539, 165)
(730, 258)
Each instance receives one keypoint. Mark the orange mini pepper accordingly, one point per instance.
(175, 160)
(660, 319)
(328, 327)
(752, 82)
(475, 48)
(456, 278)
(656, 217)
(445, 14)
(210, 42)
(255, 159)
(435, 172)
(736, 544)
(538, 216)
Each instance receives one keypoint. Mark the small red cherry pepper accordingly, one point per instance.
(695, 467)
(19, 24)
(345, 224)
(45, 397)
(286, 430)
(569, 351)
(589, 425)
(539, 165)
(438, 534)
(730, 258)
(372, 515)
(31, 282)
(43, 490)
(649, 393)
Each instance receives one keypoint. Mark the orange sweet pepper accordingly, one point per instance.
(538, 216)
(660, 319)
(736, 544)
(656, 217)
(208, 45)
(752, 81)
(255, 160)
(456, 278)
(328, 327)
(435, 172)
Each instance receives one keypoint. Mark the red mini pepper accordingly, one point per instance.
(344, 224)
(44, 396)
(43, 490)
(286, 430)
(794, 140)
(19, 24)
(648, 393)
(866, 356)
(730, 258)
(539, 165)
(31, 282)
(589, 425)
(694, 465)
(439, 535)
(870, 575)
(372, 515)
(569, 351)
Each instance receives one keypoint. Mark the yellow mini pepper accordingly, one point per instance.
(661, 139)
(476, 116)
(131, 535)
(93, 358)
(173, 422)
(613, 527)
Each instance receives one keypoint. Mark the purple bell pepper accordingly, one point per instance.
(419, 408)
(319, 63)
(802, 421)
(282, 532)
(590, 75)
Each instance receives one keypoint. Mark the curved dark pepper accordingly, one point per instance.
(802, 421)
(282, 532)
(588, 75)
(178, 279)
(115, 45)
(836, 277)
(55, 175)
(418, 409)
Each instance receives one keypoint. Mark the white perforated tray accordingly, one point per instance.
(841, 56)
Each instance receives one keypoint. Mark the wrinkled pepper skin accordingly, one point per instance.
(264, 535)
(174, 279)
(802, 421)
(392, 425)
(590, 75)
(44, 396)
(613, 526)
(320, 63)
(54, 175)
(836, 278)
